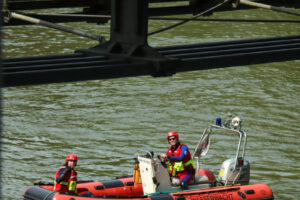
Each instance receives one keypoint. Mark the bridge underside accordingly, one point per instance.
(127, 53)
(103, 7)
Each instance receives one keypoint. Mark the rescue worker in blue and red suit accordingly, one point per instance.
(66, 176)
(181, 164)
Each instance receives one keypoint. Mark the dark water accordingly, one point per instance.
(105, 122)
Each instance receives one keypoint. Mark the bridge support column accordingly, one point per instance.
(128, 37)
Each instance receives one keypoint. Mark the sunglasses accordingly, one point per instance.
(173, 138)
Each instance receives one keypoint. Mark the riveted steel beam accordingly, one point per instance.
(81, 67)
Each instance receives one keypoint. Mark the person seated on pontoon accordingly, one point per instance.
(66, 176)
(181, 164)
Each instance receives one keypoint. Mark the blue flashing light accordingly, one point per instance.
(219, 121)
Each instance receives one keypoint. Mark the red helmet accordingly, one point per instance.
(71, 157)
(172, 133)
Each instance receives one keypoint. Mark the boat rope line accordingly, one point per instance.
(234, 188)
(189, 19)
(15, 15)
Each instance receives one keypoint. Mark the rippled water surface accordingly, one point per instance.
(105, 122)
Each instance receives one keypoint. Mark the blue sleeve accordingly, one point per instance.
(184, 153)
(61, 174)
(61, 171)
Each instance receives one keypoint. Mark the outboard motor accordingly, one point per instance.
(234, 172)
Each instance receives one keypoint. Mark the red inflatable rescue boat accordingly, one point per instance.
(151, 180)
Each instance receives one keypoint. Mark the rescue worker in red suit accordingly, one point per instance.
(181, 164)
(66, 176)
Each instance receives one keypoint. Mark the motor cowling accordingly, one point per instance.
(234, 172)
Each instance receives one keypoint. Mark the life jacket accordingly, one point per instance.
(68, 184)
(72, 182)
(176, 167)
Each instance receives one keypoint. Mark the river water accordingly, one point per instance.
(105, 122)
